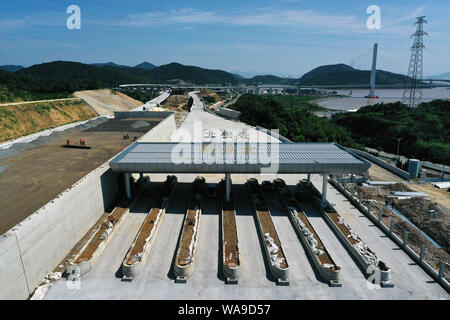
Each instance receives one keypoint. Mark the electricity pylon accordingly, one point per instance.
(412, 96)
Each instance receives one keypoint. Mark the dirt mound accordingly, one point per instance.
(208, 93)
(176, 102)
(400, 187)
(417, 211)
(106, 101)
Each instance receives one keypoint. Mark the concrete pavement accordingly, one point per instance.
(156, 280)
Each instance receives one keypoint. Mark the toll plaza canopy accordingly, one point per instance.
(159, 157)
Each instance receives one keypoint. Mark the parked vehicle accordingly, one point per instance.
(211, 190)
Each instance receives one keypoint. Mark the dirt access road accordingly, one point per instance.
(35, 176)
(440, 196)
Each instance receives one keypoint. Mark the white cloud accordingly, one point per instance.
(305, 21)
(11, 24)
(264, 17)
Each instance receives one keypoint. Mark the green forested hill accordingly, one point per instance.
(16, 87)
(297, 124)
(72, 76)
(190, 74)
(341, 74)
(324, 70)
(79, 74)
(11, 68)
(425, 129)
(269, 79)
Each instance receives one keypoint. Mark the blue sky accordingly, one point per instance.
(282, 37)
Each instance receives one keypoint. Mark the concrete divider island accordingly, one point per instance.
(140, 248)
(88, 255)
(320, 256)
(230, 245)
(366, 258)
(276, 259)
(185, 257)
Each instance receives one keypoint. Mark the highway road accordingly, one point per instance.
(200, 126)
(154, 102)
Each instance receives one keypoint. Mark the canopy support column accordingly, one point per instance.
(227, 186)
(324, 189)
(127, 185)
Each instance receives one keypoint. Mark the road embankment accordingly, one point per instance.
(17, 120)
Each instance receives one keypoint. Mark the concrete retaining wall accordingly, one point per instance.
(381, 163)
(141, 114)
(162, 131)
(228, 113)
(36, 245)
(13, 280)
(274, 134)
(416, 258)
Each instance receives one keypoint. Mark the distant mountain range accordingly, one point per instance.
(444, 76)
(269, 79)
(342, 74)
(108, 64)
(67, 76)
(11, 68)
(145, 65)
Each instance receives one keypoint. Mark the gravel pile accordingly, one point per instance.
(140, 124)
